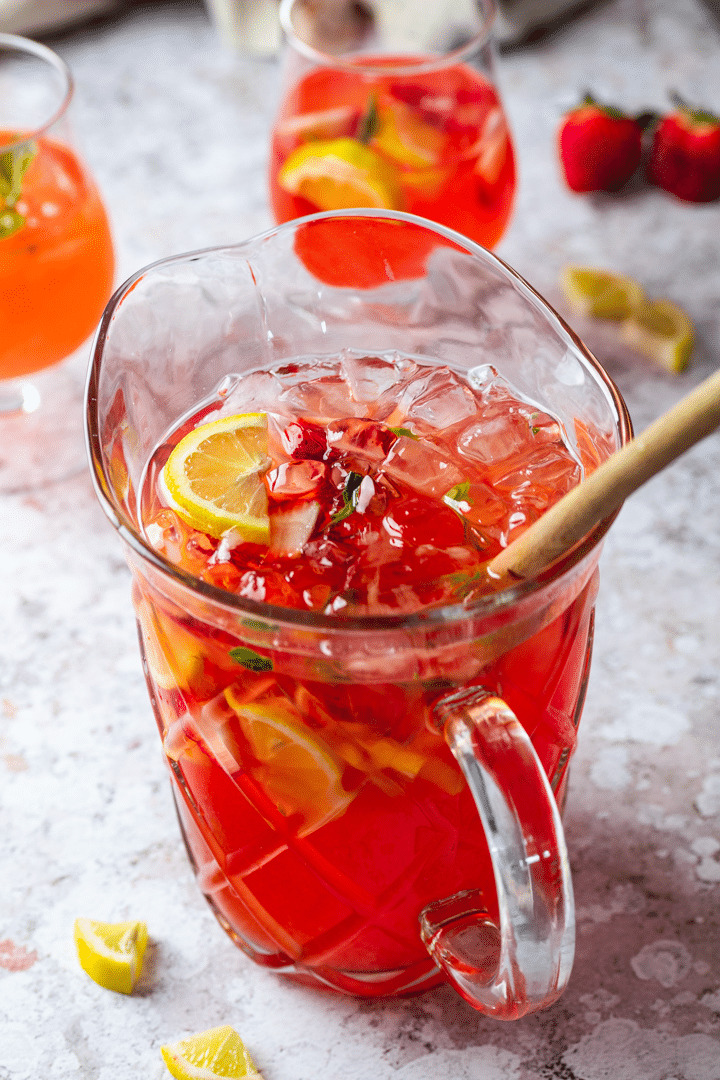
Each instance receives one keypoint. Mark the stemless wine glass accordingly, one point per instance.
(56, 268)
(331, 770)
(393, 106)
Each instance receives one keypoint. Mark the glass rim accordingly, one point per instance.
(489, 604)
(349, 61)
(15, 43)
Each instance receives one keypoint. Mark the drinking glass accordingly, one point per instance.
(369, 802)
(393, 106)
(56, 268)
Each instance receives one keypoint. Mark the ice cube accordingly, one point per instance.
(295, 479)
(303, 439)
(321, 399)
(258, 391)
(494, 438)
(360, 440)
(438, 400)
(421, 466)
(371, 377)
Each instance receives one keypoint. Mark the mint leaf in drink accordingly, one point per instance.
(404, 431)
(350, 497)
(458, 498)
(369, 122)
(13, 166)
(464, 584)
(10, 222)
(251, 660)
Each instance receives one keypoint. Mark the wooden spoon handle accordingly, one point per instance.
(605, 489)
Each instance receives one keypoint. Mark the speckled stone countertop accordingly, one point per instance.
(176, 131)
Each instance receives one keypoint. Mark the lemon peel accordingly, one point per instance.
(111, 953)
(210, 1055)
(341, 174)
(213, 477)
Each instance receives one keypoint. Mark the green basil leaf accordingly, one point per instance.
(251, 660)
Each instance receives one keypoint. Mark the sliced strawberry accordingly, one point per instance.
(337, 123)
(454, 111)
(303, 439)
(685, 155)
(599, 147)
(292, 525)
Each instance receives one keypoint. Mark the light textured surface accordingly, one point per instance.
(176, 132)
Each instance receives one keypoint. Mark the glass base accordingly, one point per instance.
(402, 982)
(41, 426)
(415, 978)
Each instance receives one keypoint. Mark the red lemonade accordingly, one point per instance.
(320, 804)
(434, 143)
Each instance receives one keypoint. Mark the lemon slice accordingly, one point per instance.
(173, 655)
(341, 174)
(219, 1052)
(600, 293)
(661, 331)
(299, 771)
(403, 136)
(214, 477)
(111, 953)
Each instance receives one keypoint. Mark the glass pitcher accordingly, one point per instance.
(369, 802)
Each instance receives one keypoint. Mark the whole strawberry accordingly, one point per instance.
(685, 154)
(599, 146)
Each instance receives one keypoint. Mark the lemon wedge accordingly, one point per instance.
(213, 1054)
(341, 174)
(111, 953)
(300, 772)
(600, 293)
(661, 331)
(214, 480)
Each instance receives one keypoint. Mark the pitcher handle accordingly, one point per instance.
(522, 964)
